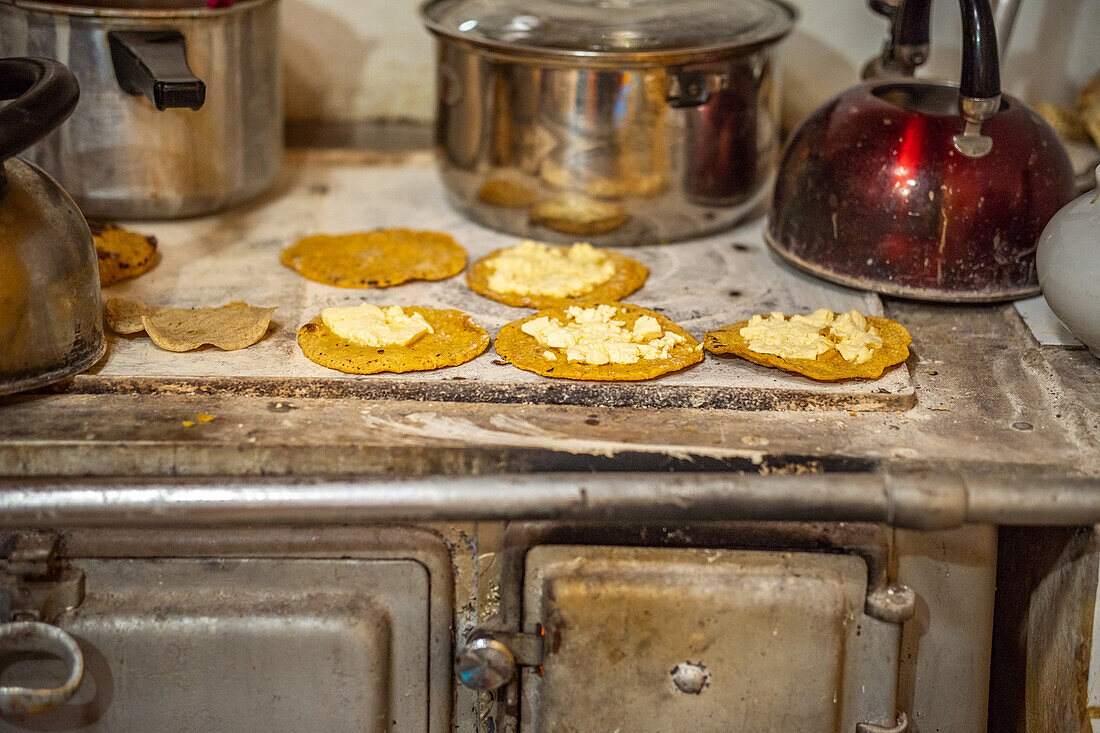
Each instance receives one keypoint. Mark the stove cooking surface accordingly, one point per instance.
(702, 284)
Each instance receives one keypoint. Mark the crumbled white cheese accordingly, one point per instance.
(532, 268)
(594, 336)
(369, 325)
(855, 340)
(809, 336)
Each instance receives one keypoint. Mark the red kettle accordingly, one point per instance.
(923, 189)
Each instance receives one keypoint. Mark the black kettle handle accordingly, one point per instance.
(45, 93)
(981, 75)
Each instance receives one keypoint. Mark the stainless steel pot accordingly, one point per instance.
(623, 122)
(181, 112)
(51, 324)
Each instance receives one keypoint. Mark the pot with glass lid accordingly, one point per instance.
(621, 122)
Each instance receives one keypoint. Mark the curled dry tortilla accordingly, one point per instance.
(455, 339)
(375, 259)
(629, 275)
(229, 327)
(574, 213)
(121, 254)
(525, 351)
(827, 367)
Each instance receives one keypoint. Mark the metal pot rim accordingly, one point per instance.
(54, 8)
(664, 56)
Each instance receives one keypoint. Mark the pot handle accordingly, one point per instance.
(45, 94)
(37, 638)
(154, 63)
(980, 81)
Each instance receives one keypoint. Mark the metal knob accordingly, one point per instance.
(485, 664)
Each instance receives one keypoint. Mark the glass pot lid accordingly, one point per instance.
(601, 27)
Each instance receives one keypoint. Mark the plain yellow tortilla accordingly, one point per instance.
(376, 259)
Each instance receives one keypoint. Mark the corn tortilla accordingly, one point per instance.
(229, 327)
(121, 254)
(525, 351)
(375, 259)
(629, 275)
(455, 339)
(827, 367)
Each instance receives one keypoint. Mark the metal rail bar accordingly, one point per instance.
(915, 500)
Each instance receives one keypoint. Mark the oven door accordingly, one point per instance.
(251, 631)
(704, 640)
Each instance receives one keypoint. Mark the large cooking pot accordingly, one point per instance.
(625, 122)
(923, 189)
(181, 112)
(51, 324)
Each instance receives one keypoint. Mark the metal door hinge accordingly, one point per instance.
(34, 583)
(901, 726)
(489, 659)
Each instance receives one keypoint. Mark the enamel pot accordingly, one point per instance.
(921, 189)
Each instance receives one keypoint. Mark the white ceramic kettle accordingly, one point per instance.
(1068, 260)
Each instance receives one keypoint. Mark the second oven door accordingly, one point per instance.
(645, 639)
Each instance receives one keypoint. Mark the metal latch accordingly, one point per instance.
(35, 589)
(35, 584)
(489, 659)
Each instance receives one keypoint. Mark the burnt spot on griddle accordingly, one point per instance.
(592, 421)
(318, 189)
(549, 392)
(739, 247)
(735, 293)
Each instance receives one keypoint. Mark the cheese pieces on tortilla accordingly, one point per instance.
(121, 254)
(598, 341)
(376, 259)
(537, 275)
(819, 345)
(229, 327)
(577, 214)
(452, 338)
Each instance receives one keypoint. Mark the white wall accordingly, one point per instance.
(352, 60)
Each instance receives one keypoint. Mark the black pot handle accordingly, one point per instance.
(44, 93)
(154, 63)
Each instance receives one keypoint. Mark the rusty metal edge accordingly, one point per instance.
(557, 393)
